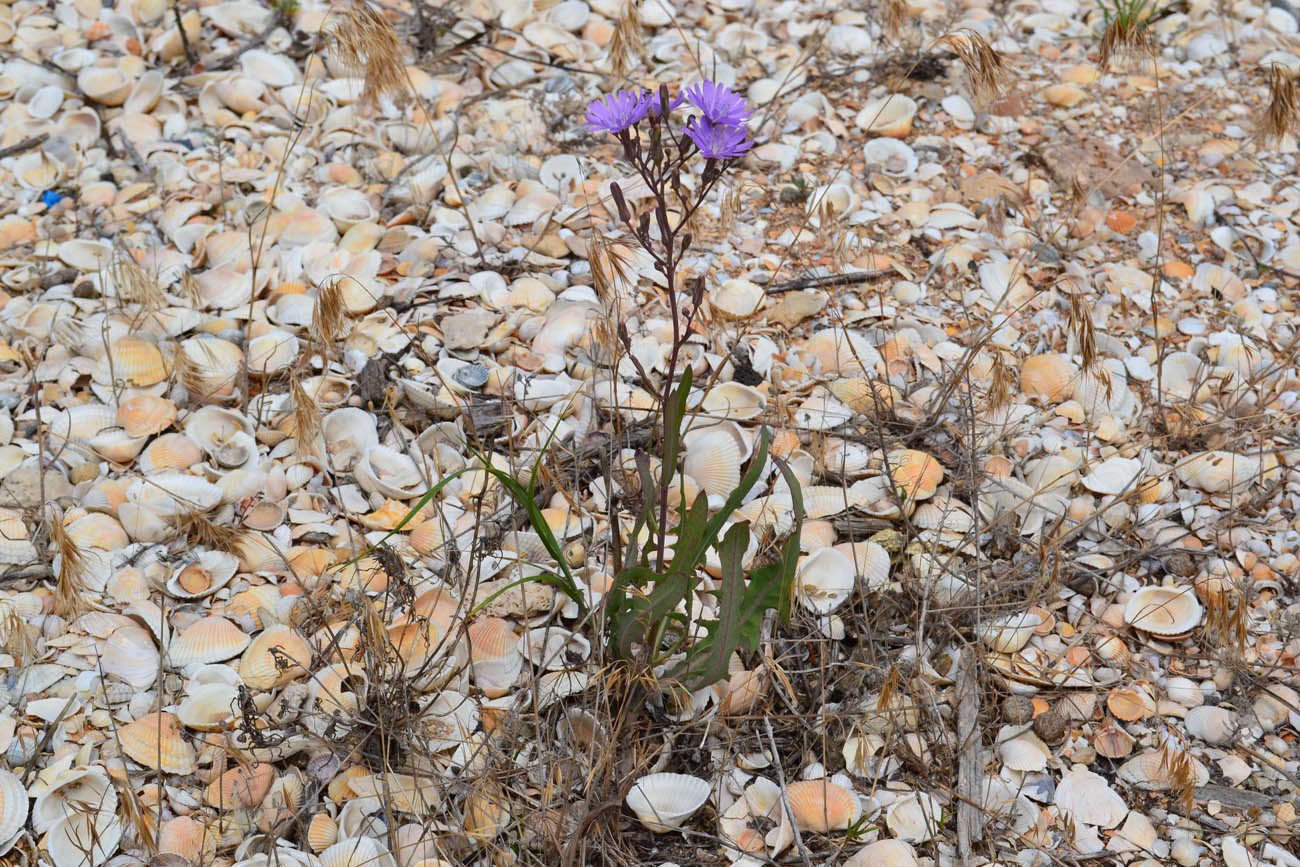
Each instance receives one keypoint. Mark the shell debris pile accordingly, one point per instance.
(278, 282)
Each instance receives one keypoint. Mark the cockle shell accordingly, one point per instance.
(209, 639)
(83, 838)
(495, 660)
(145, 415)
(258, 665)
(663, 802)
(322, 832)
(1047, 378)
(714, 456)
(1114, 476)
(889, 116)
(1010, 633)
(356, 852)
(271, 353)
(1214, 725)
(890, 156)
(915, 474)
(1089, 799)
(884, 853)
(914, 818)
(732, 400)
(1219, 471)
(824, 580)
(1163, 611)
(208, 706)
(1163, 770)
(171, 451)
(155, 741)
(88, 786)
(349, 433)
(240, 787)
(205, 576)
(129, 653)
(387, 471)
(822, 806)
(13, 806)
(736, 299)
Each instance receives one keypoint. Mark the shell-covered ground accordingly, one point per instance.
(281, 281)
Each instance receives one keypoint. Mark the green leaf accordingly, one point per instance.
(710, 658)
(687, 558)
(410, 513)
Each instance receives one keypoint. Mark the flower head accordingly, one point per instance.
(718, 141)
(718, 104)
(618, 111)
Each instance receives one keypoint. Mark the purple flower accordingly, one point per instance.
(718, 104)
(618, 111)
(718, 141)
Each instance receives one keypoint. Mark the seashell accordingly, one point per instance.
(83, 838)
(389, 472)
(494, 658)
(714, 456)
(1184, 691)
(208, 707)
(1214, 725)
(88, 786)
(205, 576)
(830, 202)
(212, 364)
(1112, 650)
(1024, 752)
(663, 802)
(356, 852)
(891, 157)
(915, 817)
(13, 806)
(1114, 476)
(884, 853)
(1163, 770)
(145, 415)
(890, 116)
(155, 741)
(129, 653)
(824, 580)
(822, 806)
(172, 451)
(1163, 611)
(1047, 378)
(322, 832)
(106, 85)
(1009, 634)
(15, 547)
(188, 838)
(1219, 472)
(1129, 704)
(1111, 741)
(349, 433)
(554, 648)
(736, 299)
(273, 70)
(1089, 799)
(133, 361)
(209, 639)
(487, 812)
(1273, 705)
(915, 474)
(258, 666)
(116, 445)
(731, 400)
(240, 787)
(271, 353)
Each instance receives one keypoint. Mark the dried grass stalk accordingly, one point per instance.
(329, 315)
(307, 420)
(366, 44)
(1003, 386)
(1127, 35)
(894, 17)
(626, 46)
(985, 67)
(133, 285)
(1282, 115)
(69, 591)
(198, 528)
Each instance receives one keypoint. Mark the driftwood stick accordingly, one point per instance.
(851, 279)
(24, 145)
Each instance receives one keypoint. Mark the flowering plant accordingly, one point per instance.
(649, 606)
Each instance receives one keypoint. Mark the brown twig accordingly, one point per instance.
(853, 278)
(24, 145)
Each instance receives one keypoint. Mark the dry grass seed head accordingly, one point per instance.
(1127, 36)
(329, 314)
(894, 17)
(626, 45)
(133, 285)
(307, 420)
(1003, 386)
(1282, 114)
(366, 44)
(69, 592)
(199, 528)
(13, 632)
(985, 67)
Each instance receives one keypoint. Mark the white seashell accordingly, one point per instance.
(891, 157)
(83, 838)
(349, 433)
(273, 70)
(558, 172)
(915, 817)
(13, 806)
(169, 493)
(734, 401)
(870, 561)
(271, 353)
(1089, 799)
(1236, 855)
(831, 202)
(346, 207)
(357, 852)
(44, 104)
(129, 653)
(1214, 725)
(106, 85)
(736, 299)
(663, 802)
(889, 116)
(714, 456)
(884, 853)
(88, 785)
(1114, 476)
(1159, 771)
(208, 706)
(1024, 752)
(390, 472)
(824, 580)
(1009, 634)
(1184, 691)
(207, 574)
(1165, 611)
(1219, 471)
(554, 648)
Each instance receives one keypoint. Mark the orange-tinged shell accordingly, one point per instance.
(1111, 741)
(492, 637)
(870, 397)
(240, 787)
(97, 530)
(155, 741)
(208, 707)
(145, 415)
(1047, 378)
(428, 537)
(311, 561)
(247, 603)
(486, 812)
(822, 806)
(386, 517)
(211, 639)
(1126, 703)
(1113, 650)
(322, 832)
(916, 474)
(191, 839)
(171, 451)
(138, 362)
(258, 665)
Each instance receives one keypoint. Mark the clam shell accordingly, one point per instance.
(1129, 704)
(349, 433)
(916, 475)
(1214, 725)
(87, 785)
(663, 802)
(914, 818)
(732, 400)
(209, 639)
(129, 653)
(1162, 770)
(1089, 799)
(890, 116)
(240, 787)
(106, 85)
(891, 157)
(145, 415)
(1218, 472)
(1111, 741)
(1047, 378)
(1009, 634)
(824, 580)
(171, 451)
(1114, 476)
(554, 648)
(389, 472)
(495, 660)
(208, 707)
(13, 805)
(188, 838)
(213, 363)
(83, 838)
(155, 741)
(356, 852)
(1164, 611)
(736, 299)
(322, 832)
(884, 853)
(203, 577)
(271, 353)
(258, 665)
(714, 456)
(822, 806)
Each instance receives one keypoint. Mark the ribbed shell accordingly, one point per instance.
(145, 415)
(13, 805)
(211, 639)
(208, 706)
(240, 787)
(821, 806)
(155, 741)
(258, 667)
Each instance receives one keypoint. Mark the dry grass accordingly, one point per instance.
(200, 529)
(69, 589)
(329, 315)
(985, 68)
(1282, 114)
(366, 44)
(626, 47)
(307, 419)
